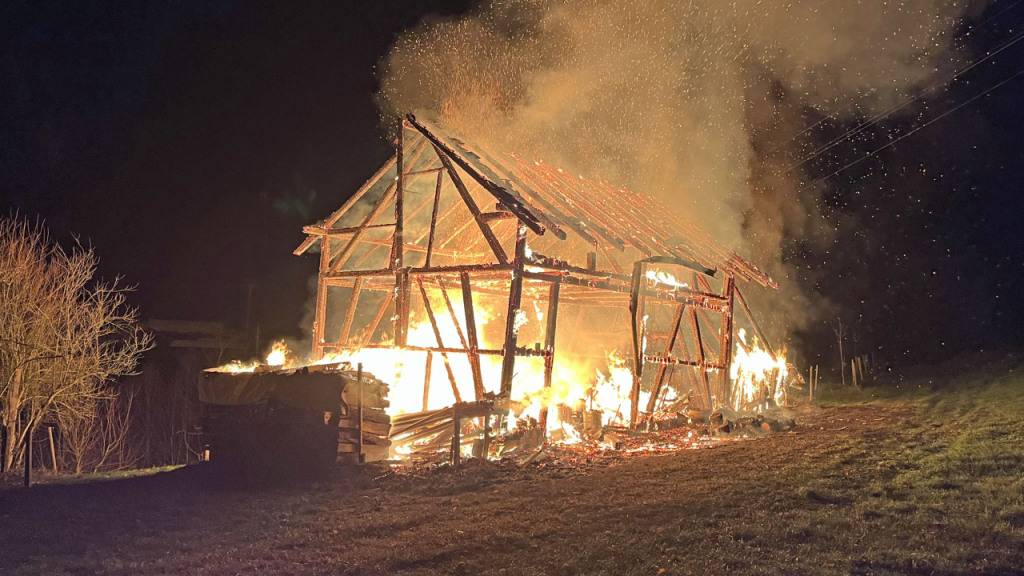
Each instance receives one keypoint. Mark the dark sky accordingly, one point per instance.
(188, 142)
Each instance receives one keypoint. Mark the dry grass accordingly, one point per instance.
(929, 483)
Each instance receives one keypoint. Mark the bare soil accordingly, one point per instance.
(924, 483)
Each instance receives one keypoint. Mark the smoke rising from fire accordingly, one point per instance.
(701, 102)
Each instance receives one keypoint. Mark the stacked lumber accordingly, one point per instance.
(364, 404)
(427, 433)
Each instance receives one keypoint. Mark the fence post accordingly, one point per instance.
(28, 457)
(53, 448)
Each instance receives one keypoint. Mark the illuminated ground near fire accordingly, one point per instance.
(921, 483)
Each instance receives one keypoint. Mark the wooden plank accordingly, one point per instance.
(507, 198)
(401, 306)
(372, 327)
(474, 359)
(350, 313)
(512, 177)
(321, 231)
(397, 251)
(370, 427)
(471, 334)
(474, 210)
(356, 197)
(549, 346)
(378, 209)
(426, 380)
(440, 342)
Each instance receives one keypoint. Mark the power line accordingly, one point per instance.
(922, 126)
(895, 108)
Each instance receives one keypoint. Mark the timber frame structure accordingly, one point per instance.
(447, 216)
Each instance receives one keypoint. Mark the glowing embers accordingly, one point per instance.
(661, 278)
(278, 356)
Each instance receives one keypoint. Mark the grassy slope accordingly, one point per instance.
(924, 483)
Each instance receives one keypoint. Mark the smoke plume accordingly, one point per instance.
(701, 102)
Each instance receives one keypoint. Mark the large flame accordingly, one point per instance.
(758, 377)
(600, 390)
(278, 355)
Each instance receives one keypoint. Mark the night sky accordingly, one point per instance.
(188, 142)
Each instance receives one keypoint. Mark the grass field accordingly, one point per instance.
(926, 480)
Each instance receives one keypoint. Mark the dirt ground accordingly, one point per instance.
(928, 482)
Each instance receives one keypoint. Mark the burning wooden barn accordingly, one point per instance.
(463, 276)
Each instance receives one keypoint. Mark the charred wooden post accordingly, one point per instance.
(726, 338)
(549, 347)
(515, 296)
(636, 320)
(433, 218)
(401, 307)
(320, 315)
(471, 335)
(456, 435)
(486, 444)
(359, 428)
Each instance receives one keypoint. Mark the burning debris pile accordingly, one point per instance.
(282, 415)
(282, 410)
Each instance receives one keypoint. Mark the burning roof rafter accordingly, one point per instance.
(546, 199)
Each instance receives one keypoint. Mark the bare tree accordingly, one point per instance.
(64, 337)
(95, 432)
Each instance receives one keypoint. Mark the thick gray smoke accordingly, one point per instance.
(702, 102)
